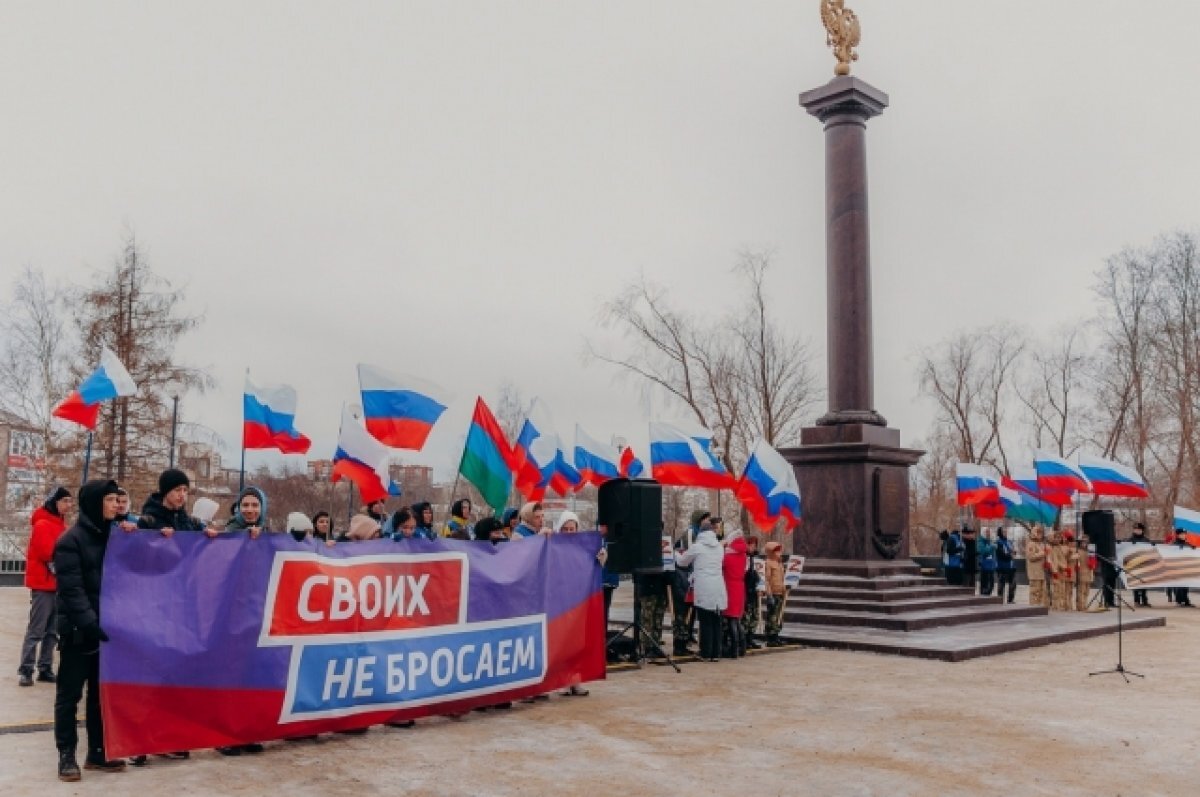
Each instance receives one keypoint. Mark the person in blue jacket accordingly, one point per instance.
(986, 551)
(954, 555)
(1006, 566)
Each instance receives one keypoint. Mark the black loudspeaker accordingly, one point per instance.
(1100, 529)
(632, 512)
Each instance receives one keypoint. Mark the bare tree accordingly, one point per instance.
(778, 385)
(511, 409)
(1123, 377)
(35, 358)
(1051, 391)
(136, 314)
(970, 378)
(740, 376)
(1176, 307)
(933, 504)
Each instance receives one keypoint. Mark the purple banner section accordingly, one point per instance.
(199, 603)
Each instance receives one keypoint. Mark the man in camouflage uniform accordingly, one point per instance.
(751, 612)
(1059, 572)
(776, 594)
(1035, 560)
(653, 588)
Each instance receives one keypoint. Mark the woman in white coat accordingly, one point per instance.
(708, 587)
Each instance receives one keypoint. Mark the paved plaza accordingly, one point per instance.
(797, 722)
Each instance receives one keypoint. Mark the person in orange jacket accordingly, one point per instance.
(48, 523)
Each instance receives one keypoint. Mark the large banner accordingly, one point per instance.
(1151, 566)
(230, 640)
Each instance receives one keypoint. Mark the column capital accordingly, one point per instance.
(844, 96)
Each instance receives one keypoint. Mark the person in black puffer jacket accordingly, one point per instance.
(79, 565)
(166, 510)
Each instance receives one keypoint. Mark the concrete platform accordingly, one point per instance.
(970, 640)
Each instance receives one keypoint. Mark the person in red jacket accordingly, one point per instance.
(48, 522)
(733, 569)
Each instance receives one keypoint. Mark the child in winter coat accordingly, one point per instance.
(775, 594)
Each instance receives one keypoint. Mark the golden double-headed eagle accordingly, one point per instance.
(842, 33)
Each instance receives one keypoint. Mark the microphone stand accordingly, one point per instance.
(1122, 574)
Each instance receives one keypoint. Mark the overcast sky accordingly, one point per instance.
(454, 188)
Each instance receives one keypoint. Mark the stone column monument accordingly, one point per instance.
(852, 471)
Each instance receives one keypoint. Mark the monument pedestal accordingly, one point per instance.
(854, 480)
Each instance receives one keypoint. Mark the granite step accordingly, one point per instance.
(865, 568)
(911, 621)
(897, 594)
(892, 607)
(883, 583)
(970, 641)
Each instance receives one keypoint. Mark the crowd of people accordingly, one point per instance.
(716, 591)
(1060, 567)
(65, 563)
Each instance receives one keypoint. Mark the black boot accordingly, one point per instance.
(773, 641)
(96, 760)
(68, 769)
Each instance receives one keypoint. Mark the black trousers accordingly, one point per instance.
(710, 633)
(79, 664)
(1009, 578)
(954, 576)
(987, 581)
(968, 578)
(608, 593)
(1139, 598)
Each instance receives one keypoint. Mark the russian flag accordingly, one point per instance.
(685, 460)
(532, 458)
(486, 457)
(1026, 480)
(631, 466)
(1112, 478)
(362, 459)
(400, 410)
(1056, 473)
(269, 419)
(768, 488)
(596, 462)
(1187, 519)
(110, 380)
(975, 485)
(561, 477)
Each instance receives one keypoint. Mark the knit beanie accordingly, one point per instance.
(171, 478)
(362, 527)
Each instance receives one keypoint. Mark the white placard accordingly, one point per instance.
(791, 576)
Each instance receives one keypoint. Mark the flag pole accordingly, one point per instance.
(242, 470)
(350, 501)
(87, 457)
